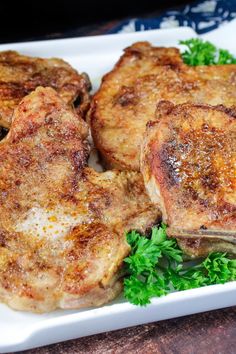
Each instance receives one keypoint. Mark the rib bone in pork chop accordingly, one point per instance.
(128, 96)
(62, 225)
(188, 163)
(19, 75)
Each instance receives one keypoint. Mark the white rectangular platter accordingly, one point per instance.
(19, 330)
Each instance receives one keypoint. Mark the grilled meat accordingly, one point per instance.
(188, 162)
(19, 75)
(128, 96)
(62, 225)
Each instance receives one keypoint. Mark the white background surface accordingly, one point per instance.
(18, 330)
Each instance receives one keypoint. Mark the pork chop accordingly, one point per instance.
(128, 96)
(188, 162)
(62, 225)
(19, 75)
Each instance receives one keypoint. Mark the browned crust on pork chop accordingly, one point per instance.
(128, 96)
(19, 75)
(62, 224)
(189, 168)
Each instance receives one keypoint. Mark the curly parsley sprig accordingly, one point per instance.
(155, 268)
(201, 52)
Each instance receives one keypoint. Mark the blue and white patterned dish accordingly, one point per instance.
(202, 16)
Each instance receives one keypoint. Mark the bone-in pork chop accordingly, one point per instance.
(128, 96)
(62, 225)
(188, 163)
(19, 75)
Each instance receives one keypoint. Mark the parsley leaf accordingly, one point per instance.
(201, 52)
(155, 268)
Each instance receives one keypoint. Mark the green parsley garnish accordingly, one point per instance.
(201, 52)
(155, 268)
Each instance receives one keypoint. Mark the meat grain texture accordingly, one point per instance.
(19, 75)
(188, 162)
(62, 225)
(129, 94)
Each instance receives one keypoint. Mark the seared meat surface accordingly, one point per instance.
(188, 162)
(19, 75)
(62, 225)
(128, 96)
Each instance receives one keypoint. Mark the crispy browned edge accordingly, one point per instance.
(95, 121)
(194, 243)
